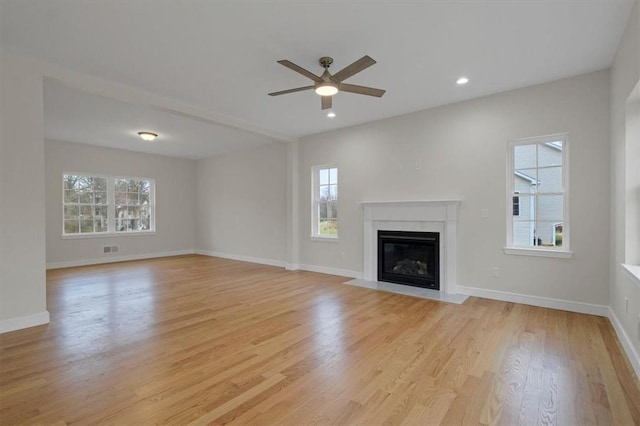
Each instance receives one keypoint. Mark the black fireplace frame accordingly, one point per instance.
(420, 238)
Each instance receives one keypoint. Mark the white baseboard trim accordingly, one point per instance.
(112, 259)
(260, 260)
(627, 343)
(291, 266)
(18, 323)
(544, 302)
(332, 271)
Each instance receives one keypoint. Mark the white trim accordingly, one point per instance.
(331, 271)
(543, 302)
(106, 235)
(626, 342)
(292, 267)
(18, 323)
(259, 260)
(565, 193)
(419, 216)
(633, 272)
(324, 239)
(113, 259)
(521, 251)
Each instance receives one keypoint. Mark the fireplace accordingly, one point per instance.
(413, 216)
(411, 258)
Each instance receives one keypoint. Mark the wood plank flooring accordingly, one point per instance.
(195, 340)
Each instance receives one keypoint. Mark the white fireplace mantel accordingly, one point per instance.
(418, 216)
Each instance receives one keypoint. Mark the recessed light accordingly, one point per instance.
(462, 80)
(147, 136)
(331, 114)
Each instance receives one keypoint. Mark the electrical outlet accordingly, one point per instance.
(495, 271)
(484, 213)
(418, 165)
(114, 249)
(107, 249)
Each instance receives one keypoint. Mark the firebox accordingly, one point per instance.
(411, 258)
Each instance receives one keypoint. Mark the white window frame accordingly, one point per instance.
(111, 208)
(551, 251)
(315, 203)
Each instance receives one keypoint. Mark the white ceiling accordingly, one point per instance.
(220, 56)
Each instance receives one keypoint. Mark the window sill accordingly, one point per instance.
(324, 239)
(521, 251)
(106, 235)
(633, 271)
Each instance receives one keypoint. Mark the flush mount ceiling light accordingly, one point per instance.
(147, 136)
(462, 80)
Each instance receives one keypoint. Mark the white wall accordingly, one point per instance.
(175, 202)
(22, 240)
(241, 210)
(625, 74)
(459, 152)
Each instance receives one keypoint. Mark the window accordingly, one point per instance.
(537, 216)
(325, 202)
(104, 205)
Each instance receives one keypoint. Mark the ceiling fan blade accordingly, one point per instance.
(284, 92)
(361, 90)
(300, 70)
(326, 102)
(354, 68)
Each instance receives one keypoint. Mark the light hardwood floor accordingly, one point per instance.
(200, 340)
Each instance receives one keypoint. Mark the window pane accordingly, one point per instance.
(526, 207)
(121, 185)
(145, 187)
(550, 179)
(546, 233)
(322, 207)
(99, 184)
(524, 156)
(100, 225)
(85, 197)
(100, 212)
(524, 181)
(324, 176)
(83, 182)
(328, 227)
(550, 154)
(86, 226)
(324, 193)
(523, 232)
(333, 175)
(146, 225)
(132, 198)
(121, 198)
(121, 225)
(333, 192)
(86, 212)
(70, 196)
(71, 227)
(550, 208)
(100, 197)
(133, 212)
(144, 198)
(71, 212)
(69, 181)
(332, 210)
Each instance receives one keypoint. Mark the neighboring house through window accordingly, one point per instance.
(99, 205)
(538, 195)
(325, 202)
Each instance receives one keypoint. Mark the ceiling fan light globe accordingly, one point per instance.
(327, 89)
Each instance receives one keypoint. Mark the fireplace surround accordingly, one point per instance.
(413, 216)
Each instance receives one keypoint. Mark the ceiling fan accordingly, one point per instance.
(327, 85)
